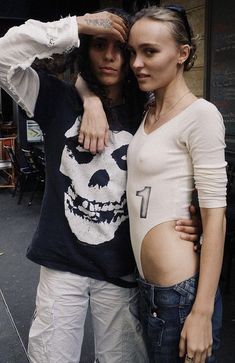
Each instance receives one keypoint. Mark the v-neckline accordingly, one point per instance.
(169, 121)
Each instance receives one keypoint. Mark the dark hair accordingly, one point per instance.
(181, 31)
(133, 97)
(56, 64)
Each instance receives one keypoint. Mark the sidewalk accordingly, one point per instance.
(19, 276)
(12, 348)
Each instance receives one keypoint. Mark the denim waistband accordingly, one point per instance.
(183, 291)
(191, 280)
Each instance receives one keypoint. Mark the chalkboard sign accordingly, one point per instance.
(222, 64)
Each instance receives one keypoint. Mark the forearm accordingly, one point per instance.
(93, 133)
(211, 259)
(85, 93)
(19, 48)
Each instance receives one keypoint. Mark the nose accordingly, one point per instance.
(110, 53)
(136, 62)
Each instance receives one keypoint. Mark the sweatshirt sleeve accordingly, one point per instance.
(19, 48)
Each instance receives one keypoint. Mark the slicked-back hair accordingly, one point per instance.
(180, 29)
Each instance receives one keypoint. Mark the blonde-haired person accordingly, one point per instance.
(179, 142)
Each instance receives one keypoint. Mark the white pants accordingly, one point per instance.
(57, 330)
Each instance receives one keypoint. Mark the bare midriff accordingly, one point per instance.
(167, 259)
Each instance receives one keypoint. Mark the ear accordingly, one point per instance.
(184, 51)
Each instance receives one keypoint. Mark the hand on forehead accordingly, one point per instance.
(106, 24)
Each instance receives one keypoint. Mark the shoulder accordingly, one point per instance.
(55, 96)
(49, 80)
(204, 108)
(203, 123)
(205, 116)
(52, 86)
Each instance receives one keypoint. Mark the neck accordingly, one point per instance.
(115, 94)
(167, 96)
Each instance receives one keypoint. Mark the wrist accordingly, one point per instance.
(203, 310)
(80, 24)
(88, 99)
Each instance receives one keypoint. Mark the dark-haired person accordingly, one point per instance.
(82, 241)
(180, 141)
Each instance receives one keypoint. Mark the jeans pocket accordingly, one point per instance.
(187, 291)
(184, 311)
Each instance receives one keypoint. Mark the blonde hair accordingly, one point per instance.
(181, 30)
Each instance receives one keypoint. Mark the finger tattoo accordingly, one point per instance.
(104, 23)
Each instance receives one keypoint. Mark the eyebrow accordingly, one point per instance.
(99, 37)
(142, 45)
(104, 38)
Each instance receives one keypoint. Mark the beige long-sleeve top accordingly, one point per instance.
(164, 165)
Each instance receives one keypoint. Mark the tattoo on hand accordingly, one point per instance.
(104, 23)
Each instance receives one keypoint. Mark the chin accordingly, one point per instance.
(109, 82)
(145, 88)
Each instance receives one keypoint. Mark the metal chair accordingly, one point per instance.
(37, 171)
(24, 175)
(7, 170)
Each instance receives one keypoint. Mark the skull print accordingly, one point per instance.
(95, 202)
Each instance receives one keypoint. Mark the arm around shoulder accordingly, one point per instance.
(93, 133)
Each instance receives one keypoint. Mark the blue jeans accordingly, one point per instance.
(163, 311)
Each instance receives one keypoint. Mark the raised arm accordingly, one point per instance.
(21, 45)
(19, 48)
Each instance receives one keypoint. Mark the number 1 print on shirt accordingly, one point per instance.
(144, 194)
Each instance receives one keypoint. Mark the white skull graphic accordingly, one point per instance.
(95, 202)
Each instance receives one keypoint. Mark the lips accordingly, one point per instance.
(108, 70)
(142, 76)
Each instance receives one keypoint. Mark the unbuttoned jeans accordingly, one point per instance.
(163, 311)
